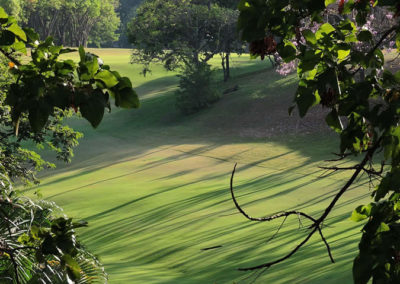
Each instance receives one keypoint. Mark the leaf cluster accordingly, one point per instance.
(360, 92)
(39, 245)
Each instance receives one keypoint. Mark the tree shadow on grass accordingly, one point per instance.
(184, 255)
(146, 233)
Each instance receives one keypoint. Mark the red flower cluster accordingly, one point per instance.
(263, 47)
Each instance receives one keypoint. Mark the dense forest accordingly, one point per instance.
(77, 22)
(96, 23)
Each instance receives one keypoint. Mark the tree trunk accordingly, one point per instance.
(223, 66)
(226, 66)
(228, 70)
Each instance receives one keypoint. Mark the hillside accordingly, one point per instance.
(154, 184)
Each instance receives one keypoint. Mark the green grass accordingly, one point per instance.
(154, 185)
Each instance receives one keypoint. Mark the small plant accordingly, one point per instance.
(195, 89)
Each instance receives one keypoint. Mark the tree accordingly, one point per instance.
(178, 32)
(184, 35)
(37, 243)
(231, 4)
(12, 7)
(72, 23)
(228, 39)
(126, 11)
(324, 38)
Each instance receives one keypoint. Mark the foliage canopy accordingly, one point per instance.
(38, 244)
(341, 66)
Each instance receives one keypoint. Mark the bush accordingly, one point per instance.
(195, 90)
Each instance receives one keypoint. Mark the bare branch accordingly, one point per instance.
(316, 226)
(264, 219)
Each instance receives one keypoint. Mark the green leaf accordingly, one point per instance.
(3, 14)
(72, 267)
(362, 212)
(287, 51)
(15, 29)
(32, 35)
(391, 182)
(124, 82)
(364, 36)
(348, 7)
(88, 69)
(24, 238)
(93, 108)
(107, 78)
(309, 37)
(329, 2)
(347, 25)
(342, 54)
(67, 50)
(19, 46)
(126, 98)
(305, 99)
(39, 115)
(383, 227)
(324, 30)
(35, 231)
(333, 121)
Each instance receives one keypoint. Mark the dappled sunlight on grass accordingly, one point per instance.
(154, 185)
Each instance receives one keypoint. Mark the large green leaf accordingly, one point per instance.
(324, 30)
(365, 36)
(287, 51)
(3, 14)
(107, 78)
(305, 99)
(88, 68)
(309, 36)
(15, 29)
(126, 98)
(92, 107)
(38, 115)
(32, 35)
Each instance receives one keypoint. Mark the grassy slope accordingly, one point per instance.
(154, 185)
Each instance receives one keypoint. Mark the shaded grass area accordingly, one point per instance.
(154, 185)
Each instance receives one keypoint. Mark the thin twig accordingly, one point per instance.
(326, 244)
(277, 231)
(264, 219)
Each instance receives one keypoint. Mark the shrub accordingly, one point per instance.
(195, 89)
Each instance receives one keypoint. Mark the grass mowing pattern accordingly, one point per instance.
(154, 185)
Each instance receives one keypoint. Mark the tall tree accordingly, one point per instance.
(126, 11)
(74, 22)
(179, 32)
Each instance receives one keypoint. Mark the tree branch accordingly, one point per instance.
(316, 226)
